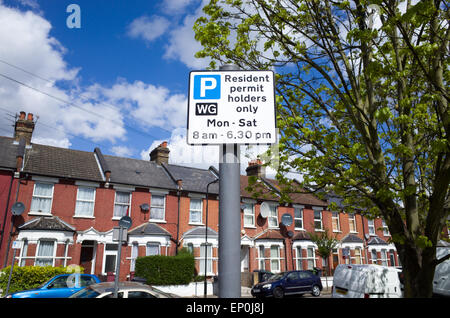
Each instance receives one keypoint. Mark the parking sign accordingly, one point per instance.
(231, 107)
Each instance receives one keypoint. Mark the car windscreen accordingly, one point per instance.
(85, 293)
(275, 277)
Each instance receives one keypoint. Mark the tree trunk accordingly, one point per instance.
(418, 275)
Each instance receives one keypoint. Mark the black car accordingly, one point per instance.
(289, 283)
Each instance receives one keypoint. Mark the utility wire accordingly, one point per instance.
(87, 98)
(75, 105)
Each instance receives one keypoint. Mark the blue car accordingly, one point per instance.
(60, 286)
(289, 283)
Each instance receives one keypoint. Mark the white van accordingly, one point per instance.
(441, 280)
(366, 281)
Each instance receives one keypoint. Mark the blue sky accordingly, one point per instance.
(119, 81)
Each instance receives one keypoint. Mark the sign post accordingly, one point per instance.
(230, 107)
(124, 223)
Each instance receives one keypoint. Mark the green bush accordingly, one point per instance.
(29, 277)
(166, 270)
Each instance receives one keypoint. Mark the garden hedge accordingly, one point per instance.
(166, 270)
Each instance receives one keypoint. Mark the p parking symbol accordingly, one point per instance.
(206, 86)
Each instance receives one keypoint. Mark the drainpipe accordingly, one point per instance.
(179, 189)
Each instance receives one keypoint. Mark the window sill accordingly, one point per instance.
(40, 213)
(157, 221)
(196, 224)
(249, 226)
(83, 217)
(319, 230)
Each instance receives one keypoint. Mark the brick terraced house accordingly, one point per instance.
(74, 200)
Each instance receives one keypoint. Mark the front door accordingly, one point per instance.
(87, 256)
(244, 259)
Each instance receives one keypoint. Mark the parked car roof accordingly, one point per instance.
(109, 287)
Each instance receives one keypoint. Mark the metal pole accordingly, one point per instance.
(119, 254)
(229, 222)
(10, 272)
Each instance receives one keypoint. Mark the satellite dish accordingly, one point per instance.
(145, 207)
(286, 219)
(290, 234)
(265, 209)
(18, 208)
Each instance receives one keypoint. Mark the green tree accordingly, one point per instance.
(362, 100)
(325, 246)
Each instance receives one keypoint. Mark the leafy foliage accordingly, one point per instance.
(362, 102)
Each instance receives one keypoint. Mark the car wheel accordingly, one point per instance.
(315, 291)
(278, 292)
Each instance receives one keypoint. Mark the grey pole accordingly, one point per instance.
(229, 217)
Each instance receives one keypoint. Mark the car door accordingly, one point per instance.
(306, 280)
(59, 287)
(292, 283)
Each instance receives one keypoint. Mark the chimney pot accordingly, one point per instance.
(160, 154)
(256, 168)
(30, 116)
(22, 115)
(23, 128)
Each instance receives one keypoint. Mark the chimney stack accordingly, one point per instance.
(256, 168)
(23, 128)
(160, 154)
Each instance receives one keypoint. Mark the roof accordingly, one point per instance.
(200, 232)
(302, 236)
(148, 229)
(8, 152)
(138, 173)
(194, 179)
(375, 240)
(351, 238)
(45, 223)
(300, 196)
(258, 189)
(62, 163)
(269, 235)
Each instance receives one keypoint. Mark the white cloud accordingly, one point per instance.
(175, 6)
(148, 28)
(27, 44)
(122, 151)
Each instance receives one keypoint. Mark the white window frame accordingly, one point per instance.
(333, 217)
(316, 220)
(82, 200)
(196, 210)
(52, 257)
(273, 216)
(249, 212)
(299, 257)
(123, 204)
(276, 259)
(310, 258)
(152, 244)
(298, 208)
(352, 221)
(44, 197)
(384, 257)
(152, 219)
(360, 254)
(385, 228)
(261, 258)
(134, 256)
(373, 253)
(109, 252)
(371, 225)
(208, 259)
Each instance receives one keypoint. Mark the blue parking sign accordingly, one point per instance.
(206, 86)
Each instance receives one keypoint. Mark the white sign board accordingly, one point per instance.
(231, 107)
